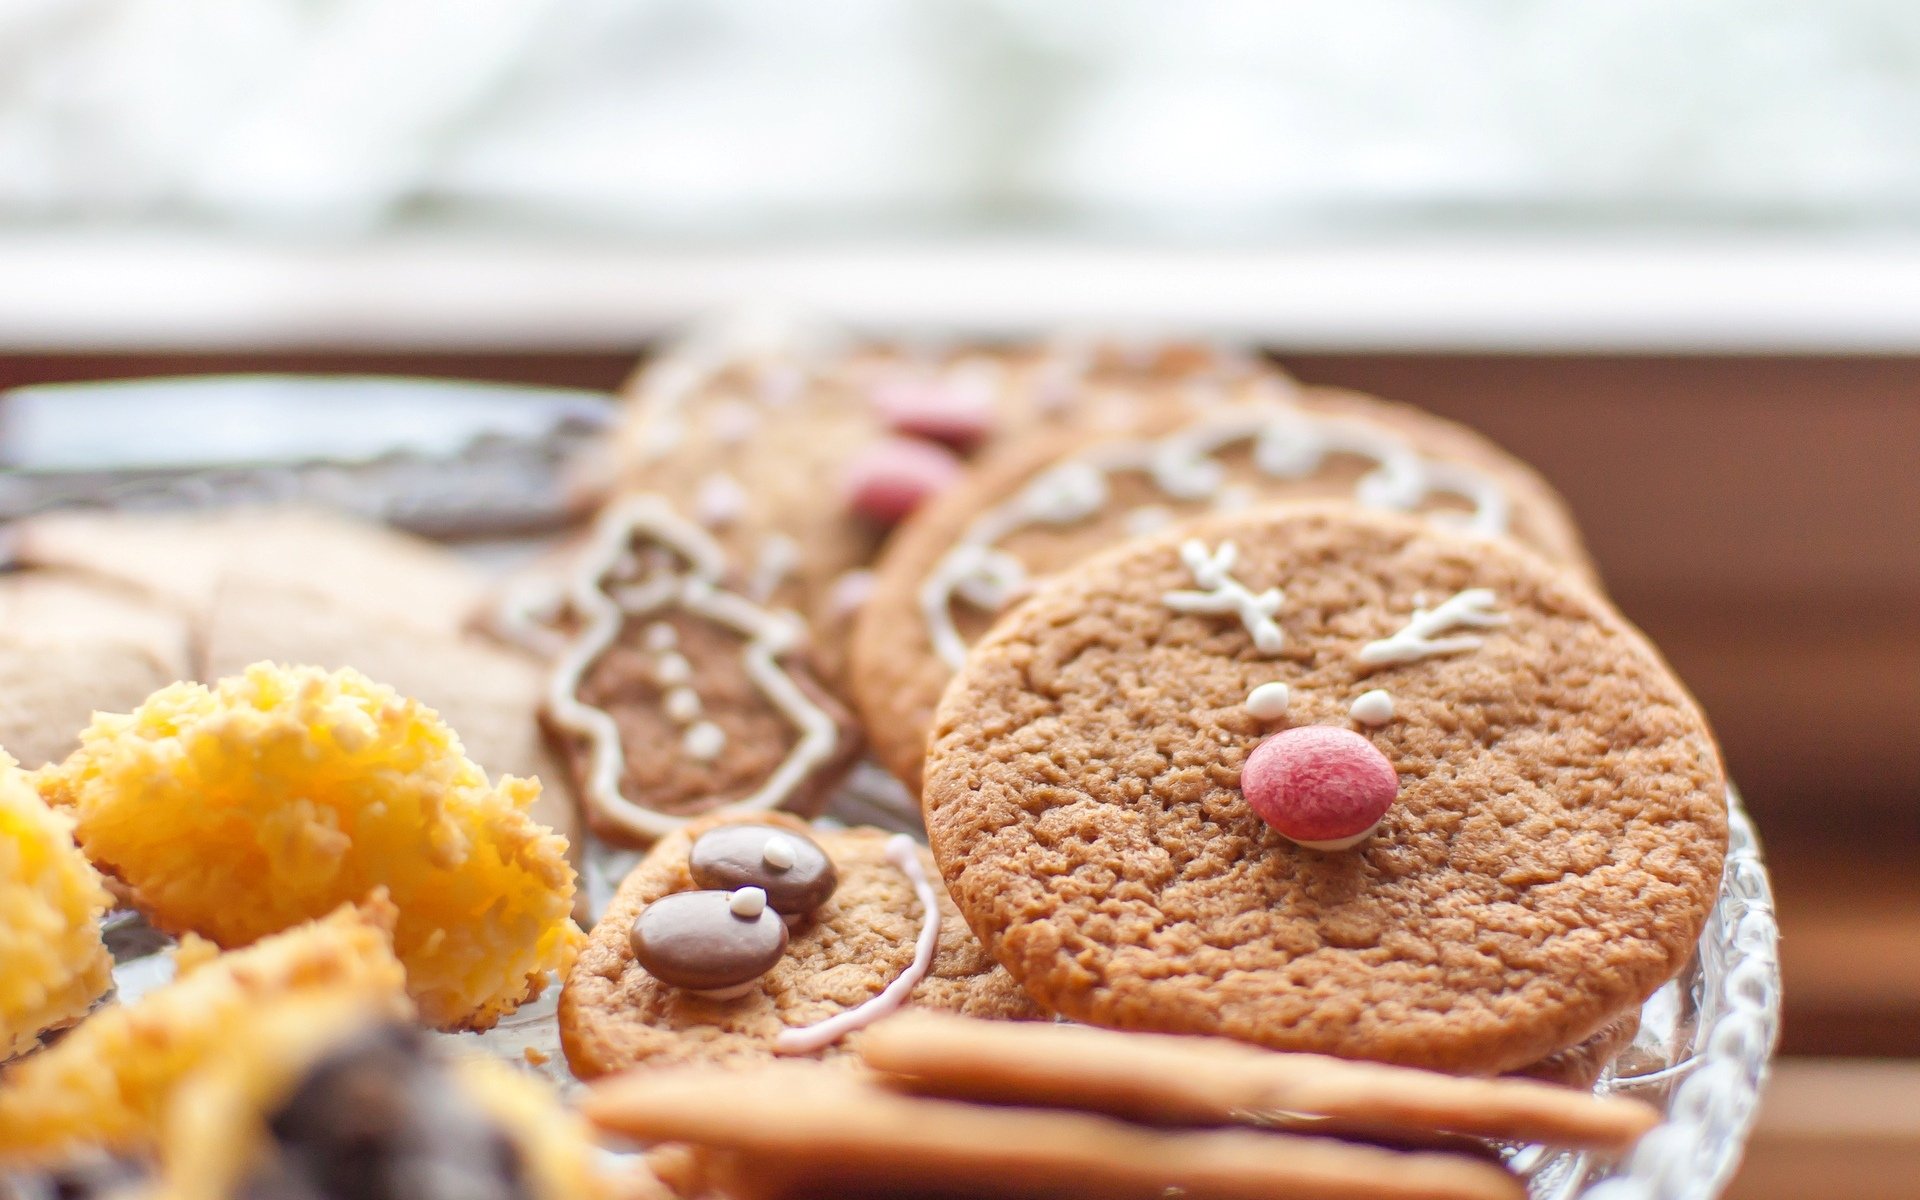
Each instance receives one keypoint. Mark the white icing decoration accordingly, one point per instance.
(1268, 702)
(779, 852)
(1419, 637)
(1345, 843)
(704, 741)
(748, 902)
(695, 590)
(682, 705)
(681, 370)
(1372, 707)
(849, 593)
(660, 636)
(1212, 570)
(1148, 518)
(672, 670)
(1286, 444)
(719, 500)
(779, 554)
(903, 853)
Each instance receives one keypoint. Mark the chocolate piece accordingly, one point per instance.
(697, 940)
(378, 1118)
(791, 868)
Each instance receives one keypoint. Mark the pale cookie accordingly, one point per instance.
(797, 455)
(836, 959)
(1039, 507)
(70, 645)
(790, 1129)
(489, 694)
(1548, 861)
(1165, 1079)
(679, 696)
(182, 559)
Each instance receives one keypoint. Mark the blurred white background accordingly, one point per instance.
(1218, 120)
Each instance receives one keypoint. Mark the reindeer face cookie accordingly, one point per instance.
(1328, 780)
(677, 695)
(737, 939)
(1030, 512)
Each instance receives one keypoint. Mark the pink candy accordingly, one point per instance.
(961, 417)
(891, 478)
(1319, 785)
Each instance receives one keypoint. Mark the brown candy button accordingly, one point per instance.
(709, 941)
(791, 868)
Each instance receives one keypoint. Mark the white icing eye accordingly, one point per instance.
(1372, 708)
(748, 902)
(1269, 701)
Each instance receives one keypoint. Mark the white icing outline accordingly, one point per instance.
(1417, 639)
(1225, 594)
(904, 853)
(769, 635)
(1289, 444)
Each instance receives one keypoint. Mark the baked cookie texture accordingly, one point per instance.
(613, 1015)
(1551, 857)
(241, 810)
(1086, 491)
(53, 963)
(109, 1084)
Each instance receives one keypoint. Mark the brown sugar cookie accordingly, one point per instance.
(797, 453)
(1126, 779)
(796, 1129)
(182, 559)
(1039, 507)
(1165, 1079)
(71, 645)
(677, 695)
(834, 958)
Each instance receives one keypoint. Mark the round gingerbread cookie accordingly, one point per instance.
(1032, 510)
(746, 960)
(1555, 804)
(798, 453)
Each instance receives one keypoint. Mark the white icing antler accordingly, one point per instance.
(1224, 594)
(1419, 639)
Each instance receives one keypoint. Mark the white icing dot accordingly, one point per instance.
(704, 741)
(719, 500)
(661, 636)
(1148, 518)
(779, 852)
(682, 705)
(748, 902)
(850, 592)
(1268, 701)
(673, 669)
(1372, 708)
(733, 422)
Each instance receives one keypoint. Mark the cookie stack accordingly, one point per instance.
(1232, 707)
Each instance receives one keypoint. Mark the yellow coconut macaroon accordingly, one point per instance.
(320, 1095)
(53, 965)
(238, 811)
(107, 1085)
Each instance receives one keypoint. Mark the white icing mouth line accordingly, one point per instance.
(1288, 445)
(1418, 638)
(805, 1039)
(769, 635)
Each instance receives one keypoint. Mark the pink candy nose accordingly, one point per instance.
(960, 417)
(1319, 785)
(893, 477)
